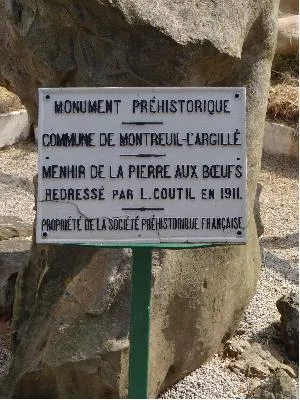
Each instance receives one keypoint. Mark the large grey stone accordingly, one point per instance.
(71, 314)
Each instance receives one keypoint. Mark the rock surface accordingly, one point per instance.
(256, 211)
(14, 250)
(288, 306)
(14, 124)
(14, 127)
(289, 7)
(4, 357)
(254, 361)
(277, 386)
(9, 101)
(13, 257)
(288, 36)
(281, 139)
(12, 227)
(71, 314)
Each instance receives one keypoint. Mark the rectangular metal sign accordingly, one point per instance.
(141, 165)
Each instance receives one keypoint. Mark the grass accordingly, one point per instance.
(283, 103)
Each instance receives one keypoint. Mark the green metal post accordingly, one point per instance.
(140, 323)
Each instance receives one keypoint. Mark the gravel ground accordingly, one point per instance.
(17, 167)
(279, 274)
(5, 356)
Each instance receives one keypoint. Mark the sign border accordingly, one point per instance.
(144, 242)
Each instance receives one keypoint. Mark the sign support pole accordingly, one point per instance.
(140, 323)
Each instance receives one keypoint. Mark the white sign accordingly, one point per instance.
(141, 165)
